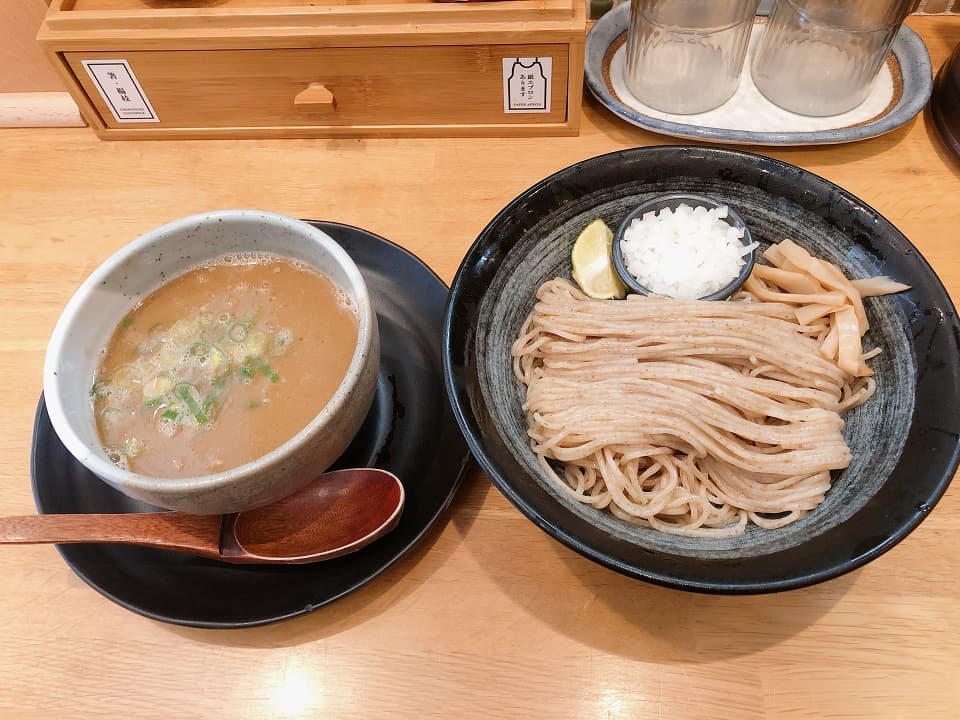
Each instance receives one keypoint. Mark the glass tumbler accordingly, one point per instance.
(820, 57)
(685, 56)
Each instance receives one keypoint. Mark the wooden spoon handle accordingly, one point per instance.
(198, 534)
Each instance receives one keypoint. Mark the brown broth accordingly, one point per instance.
(222, 365)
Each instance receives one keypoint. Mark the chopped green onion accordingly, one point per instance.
(200, 350)
(153, 402)
(205, 352)
(170, 414)
(183, 330)
(185, 392)
(269, 372)
(252, 364)
(238, 333)
(248, 369)
(280, 341)
(126, 322)
(218, 357)
(212, 334)
(157, 386)
(215, 391)
(125, 377)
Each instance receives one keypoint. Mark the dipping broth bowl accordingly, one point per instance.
(134, 272)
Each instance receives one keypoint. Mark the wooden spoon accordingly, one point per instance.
(336, 514)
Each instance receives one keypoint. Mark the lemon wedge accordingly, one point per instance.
(593, 263)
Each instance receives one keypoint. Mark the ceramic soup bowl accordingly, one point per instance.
(136, 270)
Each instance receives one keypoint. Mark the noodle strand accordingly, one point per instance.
(690, 417)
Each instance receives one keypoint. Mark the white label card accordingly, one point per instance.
(120, 90)
(526, 84)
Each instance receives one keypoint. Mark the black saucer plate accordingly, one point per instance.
(410, 431)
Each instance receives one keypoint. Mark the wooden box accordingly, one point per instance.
(302, 68)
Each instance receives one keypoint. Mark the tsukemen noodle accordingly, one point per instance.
(699, 417)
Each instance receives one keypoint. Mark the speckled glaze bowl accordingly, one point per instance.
(673, 201)
(139, 268)
(904, 440)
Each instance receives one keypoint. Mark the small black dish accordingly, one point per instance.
(905, 441)
(945, 102)
(673, 201)
(410, 431)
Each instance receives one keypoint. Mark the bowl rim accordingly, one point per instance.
(464, 398)
(93, 458)
(724, 292)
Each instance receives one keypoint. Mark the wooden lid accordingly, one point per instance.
(194, 20)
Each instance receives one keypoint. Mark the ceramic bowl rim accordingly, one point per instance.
(93, 458)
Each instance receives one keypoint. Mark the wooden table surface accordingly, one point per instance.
(488, 616)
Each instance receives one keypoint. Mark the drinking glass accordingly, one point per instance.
(820, 57)
(685, 56)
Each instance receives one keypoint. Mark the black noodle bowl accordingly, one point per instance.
(903, 440)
